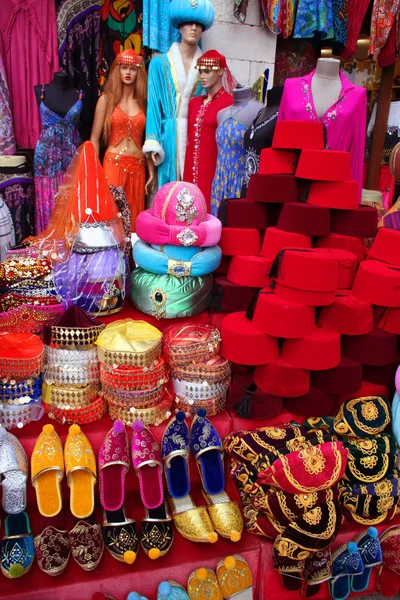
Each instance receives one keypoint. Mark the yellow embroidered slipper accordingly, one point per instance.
(47, 471)
(234, 576)
(203, 584)
(225, 515)
(80, 466)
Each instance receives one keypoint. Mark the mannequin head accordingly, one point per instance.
(214, 72)
(191, 33)
(128, 74)
(211, 79)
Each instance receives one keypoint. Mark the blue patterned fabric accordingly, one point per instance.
(58, 140)
(176, 440)
(340, 20)
(314, 17)
(158, 33)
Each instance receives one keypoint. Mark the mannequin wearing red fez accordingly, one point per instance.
(119, 122)
(201, 150)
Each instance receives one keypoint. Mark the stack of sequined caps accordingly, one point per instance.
(200, 376)
(71, 376)
(21, 362)
(133, 373)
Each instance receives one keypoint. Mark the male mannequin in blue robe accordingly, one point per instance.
(173, 80)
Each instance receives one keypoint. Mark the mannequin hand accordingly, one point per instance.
(149, 187)
(155, 158)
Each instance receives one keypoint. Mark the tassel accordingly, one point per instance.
(223, 212)
(243, 406)
(307, 188)
(251, 308)
(274, 270)
(325, 133)
(217, 296)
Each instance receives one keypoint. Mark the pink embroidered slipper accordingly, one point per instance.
(113, 465)
(147, 462)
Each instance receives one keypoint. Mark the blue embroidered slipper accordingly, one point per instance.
(175, 447)
(135, 596)
(17, 547)
(208, 450)
(371, 553)
(171, 590)
(346, 561)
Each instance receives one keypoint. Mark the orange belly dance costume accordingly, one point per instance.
(127, 170)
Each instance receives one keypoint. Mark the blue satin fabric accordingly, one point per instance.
(156, 261)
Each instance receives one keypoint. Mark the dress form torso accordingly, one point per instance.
(326, 85)
(245, 107)
(59, 96)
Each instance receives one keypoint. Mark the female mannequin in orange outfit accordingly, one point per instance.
(120, 122)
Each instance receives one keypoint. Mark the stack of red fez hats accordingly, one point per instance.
(311, 338)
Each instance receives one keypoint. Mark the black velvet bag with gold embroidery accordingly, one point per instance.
(371, 503)
(370, 459)
(362, 417)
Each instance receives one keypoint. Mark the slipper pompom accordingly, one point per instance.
(133, 596)
(201, 574)
(48, 429)
(164, 588)
(138, 426)
(74, 429)
(201, 412)
(352, 547)
(213, 537)
(230, 563)
(180, 416)
(235, 536)
(16, 571)
(129, 557)
(373, 532)
(119, 426)
(154, 553)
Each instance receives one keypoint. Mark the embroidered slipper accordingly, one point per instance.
(171, 590)
(52, 550)
(175, 447)
(193, 522)
(14, 469)
(317, 569)
(147, 462)
(87, 544)
(208, 450)
(113, 463)
(225, 515)
(371, 555)
(346, 561)
(234, 578)
(17, 549)
(120, 536)
(156, 535)
(80, 466)
(203, 583)
(389, 572)
(47, 471)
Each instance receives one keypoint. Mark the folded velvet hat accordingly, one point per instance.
(299, 217)
(346, 378)
(315, 402)
(362, 417)
(378, 283)
(273, 187)
(250, 271)
(324, 165)
(178, 217)
(282, 379)
(242, 343)
(347, 315)
(228, 297)
(281, 318)
(298, 135)
(245, 242)
(343, 242)
(386, 246)
(318, 351)
(341, 195)
(360, 222)
(387, 319)
(277, 162)
(376, 348)
(347, 266)
(239, 213)
(248, 401)
(276, 240)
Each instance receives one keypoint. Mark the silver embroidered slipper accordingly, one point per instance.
(14, 472)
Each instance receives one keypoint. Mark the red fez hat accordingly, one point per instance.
(343, 242)
(273, 188)
(376, 348)
(252, 271)
(386, 246)
(340, 194)
(273, 212)
(230, 297)
(244, 344)
(324, 165)
(387, 319)
(315, 403)
(258, 404)
(378, 283)
(274, 162)
(276, 240)
(318, 351)
(240, 241)
(347, 315)
(298, 217)
(367, 389)
(282, 379)
(361, 222)
(280, 318)
(381, 375)
(346, 378)
(347, 266)
(238, 213)
(298, 135)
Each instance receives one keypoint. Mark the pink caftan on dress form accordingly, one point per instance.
(344, 122)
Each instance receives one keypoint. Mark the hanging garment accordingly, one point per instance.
(392, 136)
(229, 173)
(314, 17)
(158, 34)
(78, 29)
(279, 15)
(340, 15)
(344, 121)
(18, 192)
(356, 14)
(7, 233)
(201, 151)
(7, 140)
(383, 18)
(54, 151)
(28, 45)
